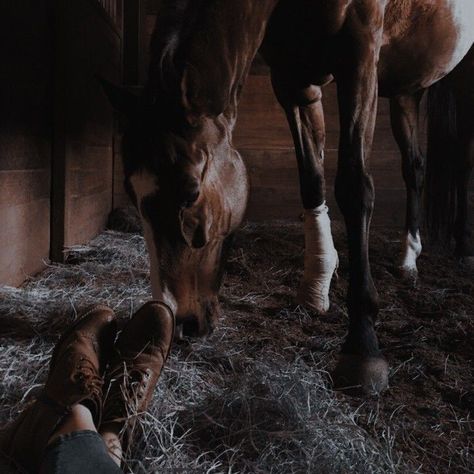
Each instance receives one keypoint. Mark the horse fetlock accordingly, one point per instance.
(361, 375)
(408, 275)
(361, 338)
(321, 260)
(314, 289)
(364, 302)
(411, 251)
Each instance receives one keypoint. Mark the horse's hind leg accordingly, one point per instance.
(404, 111)
(304, 111)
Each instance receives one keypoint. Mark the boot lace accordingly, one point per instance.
(126, 390)
(87, 379)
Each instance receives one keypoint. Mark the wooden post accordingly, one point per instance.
(81, 128)
(58, 161)
(134, 12)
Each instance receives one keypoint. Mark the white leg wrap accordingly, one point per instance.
(411, 251)
(320, 261)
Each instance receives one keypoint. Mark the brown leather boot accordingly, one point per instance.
(141, 352)
(75, 376)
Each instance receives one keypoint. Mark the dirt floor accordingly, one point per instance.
(426, 333)
(255, 396)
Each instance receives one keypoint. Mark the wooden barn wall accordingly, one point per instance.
(264, 140)
(89, 43)
(56, 128)
(25, 137)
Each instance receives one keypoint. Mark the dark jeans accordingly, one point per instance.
(81, 452)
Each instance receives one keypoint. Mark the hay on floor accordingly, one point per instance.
(233, 403)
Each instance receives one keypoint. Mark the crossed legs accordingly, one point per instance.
(59, 432)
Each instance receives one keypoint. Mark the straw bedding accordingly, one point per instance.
(255, 396)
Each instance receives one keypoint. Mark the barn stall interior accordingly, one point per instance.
(255, 395)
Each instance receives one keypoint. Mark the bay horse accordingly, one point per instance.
(201, 53)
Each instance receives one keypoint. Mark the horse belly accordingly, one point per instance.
(428, 42)
(463, 13)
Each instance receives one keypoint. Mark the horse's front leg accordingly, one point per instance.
(404, 112)
(304, 111)
(361, 364)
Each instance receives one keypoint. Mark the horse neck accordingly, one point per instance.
(202, 51)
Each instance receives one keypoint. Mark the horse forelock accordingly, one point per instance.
(174, 24)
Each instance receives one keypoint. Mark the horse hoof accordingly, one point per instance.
(408, 274)
(316, 303)
(357, 375)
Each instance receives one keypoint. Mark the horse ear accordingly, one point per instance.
(201, 97)
(121, 99)
(187, 88)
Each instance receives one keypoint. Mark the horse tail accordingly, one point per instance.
(441, 162)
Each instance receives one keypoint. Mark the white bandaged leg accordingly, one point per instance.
(411, 251)
(320, 261)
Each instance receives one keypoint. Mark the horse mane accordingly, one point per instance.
(175, 21)
(200, 51)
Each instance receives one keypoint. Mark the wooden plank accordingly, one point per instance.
(59, 184)
(20, 150)
(286, 204)
(24, 186)
(85, 125)
(25, 137)
(24, 234)
(134, 35)
(263, 138)
(91, 211)
(261, 121)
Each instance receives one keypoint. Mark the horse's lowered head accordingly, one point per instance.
(190, 187)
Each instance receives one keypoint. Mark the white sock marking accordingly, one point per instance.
(411, 251)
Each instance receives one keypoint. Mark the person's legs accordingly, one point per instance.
(57, 433)
(71, 401)
(76, 447)
(80, 419)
